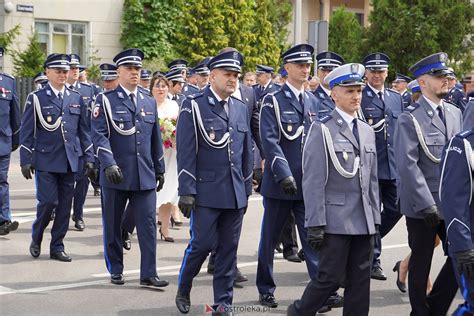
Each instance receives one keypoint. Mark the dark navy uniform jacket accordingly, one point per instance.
(326, 103)
(457, 97)
(259, 95)
(52, 151)
(374, 111)
(284, 156)
(9, 114)
(140, 154)
(406, 97)
(456, 191)
(218, 177)
(190, 89)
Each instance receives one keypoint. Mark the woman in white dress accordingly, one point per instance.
(167, 198)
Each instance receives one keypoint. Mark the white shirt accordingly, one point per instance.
(226, 106)
(295, 91)
(56, 92)
(377, 91)
(327, 91)
(237, 93)
(349, 119)
(432, 104)
(128, 93)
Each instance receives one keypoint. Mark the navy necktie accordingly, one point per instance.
(132, 98)
(301, 99)
(380, 94)
(355, 130)
(60, 96)
(225, 106)
(441, 114)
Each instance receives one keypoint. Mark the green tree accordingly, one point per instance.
(267, 47)
(202, 30)
(93, 69)
(409, 30)
(239, 16)
(29, 62)
(149, 25)
(280, 14)
(345, 35)
(7, 38)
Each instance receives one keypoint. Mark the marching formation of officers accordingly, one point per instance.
(393, 154)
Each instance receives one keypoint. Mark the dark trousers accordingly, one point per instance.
(142, 206)
(208, 226)
(466, 285)
(54, 192)
(288, 237)
(421, 240)
(274, 218)
(341, 258)
(389, 217)
(5, 213)
(80, 191)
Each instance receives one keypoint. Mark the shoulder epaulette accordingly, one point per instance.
(394, 91)
(85, 84)
(195, 95)
(467, 133)
(325, 118)
(145, 91)
(412, 107)
(72, 90)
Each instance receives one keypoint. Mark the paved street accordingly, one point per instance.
(82, 287)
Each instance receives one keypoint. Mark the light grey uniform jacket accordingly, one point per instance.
(347, 206)
(419, 176)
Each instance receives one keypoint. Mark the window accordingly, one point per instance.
(63, 37)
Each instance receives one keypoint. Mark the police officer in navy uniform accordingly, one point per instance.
(326, 62)
(202, 71)
(458, 210)
(340, 153)
(400, 84)
(145, 78)
(190, 87)
(40, 80)
(176, 79)
(127, 140)
(9, 141)
(420, 135)
(215, 162)
(264, 83)
(82, 181)
(285, 118)
(54, 132)
(455, 95)
(108, 74)
(380, 107)
(468, 115)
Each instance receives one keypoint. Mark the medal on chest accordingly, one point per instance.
(345, 156)
(370, 121)
(289, 128)
(121, 125)
(142, 112)
(49, 118)
(212, 135)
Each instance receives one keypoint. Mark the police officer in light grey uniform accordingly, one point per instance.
(420, 135)
(340, 152)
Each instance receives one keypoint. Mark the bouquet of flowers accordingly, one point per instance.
(168, 132)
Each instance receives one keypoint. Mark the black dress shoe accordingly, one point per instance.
(96, 192)
(324, 309)
(210, 268)
(79, 225)
(35, 249)
(7, 227)
(268, 300)
(183, 302)
(335, 300)
(401, 285)
(126, 242)
(117, 278)
(60, 256)
(293, 258)
(154, 282)
(377, 274)
(278, 248)
(239, 277)
(301, 254)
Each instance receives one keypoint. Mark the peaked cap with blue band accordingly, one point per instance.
(346, 75)
(434, 65)
(413, 86)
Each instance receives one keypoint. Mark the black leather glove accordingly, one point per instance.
(186, 203)
(288, 185)
(15, 147)
(465, 262)
(27, 171)
(114, 174)
(315, 237)
(160, 180)
(90, 171)
(431, 216)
